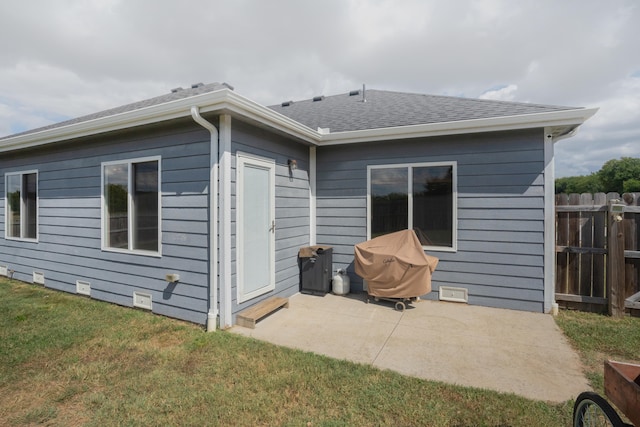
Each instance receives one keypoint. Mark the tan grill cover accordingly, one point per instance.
(395, 265)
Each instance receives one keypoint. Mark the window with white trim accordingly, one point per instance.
(419, 196)
(21, 200)
(131, 205)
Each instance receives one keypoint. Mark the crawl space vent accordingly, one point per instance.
(142, 300)
(38, 278)
(83, 288)
(449, 293)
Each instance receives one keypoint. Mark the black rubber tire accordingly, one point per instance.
(591, 409)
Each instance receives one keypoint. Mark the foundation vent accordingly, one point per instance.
(38, 277)
(83, 288)
(3, 270)
(142, 300)
(449, 293)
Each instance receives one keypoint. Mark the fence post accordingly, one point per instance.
(615, 260)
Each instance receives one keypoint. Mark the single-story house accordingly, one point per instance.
(195, 204)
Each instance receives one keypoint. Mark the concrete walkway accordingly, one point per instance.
(503, 350)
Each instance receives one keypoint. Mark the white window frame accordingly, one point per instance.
(130, 219)
(410, 166)
(23, 211)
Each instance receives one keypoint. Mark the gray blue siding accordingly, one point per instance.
(500, 210)
(500, 213)
(69, 219)
(292, 204)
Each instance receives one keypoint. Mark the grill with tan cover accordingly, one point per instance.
(395, 265)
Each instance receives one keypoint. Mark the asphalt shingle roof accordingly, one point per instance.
(347, 112)
(175, 94)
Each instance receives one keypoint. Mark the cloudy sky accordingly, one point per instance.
(65, 58)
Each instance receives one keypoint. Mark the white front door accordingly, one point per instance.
(255, 226)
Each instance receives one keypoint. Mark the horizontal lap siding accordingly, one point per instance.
(500, 210)
(292, 205)
(69, 220)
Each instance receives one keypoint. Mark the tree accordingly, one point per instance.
(621, 175)
(616, 175)
(631, 186)
(579, 184)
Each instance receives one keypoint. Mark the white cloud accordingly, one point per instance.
(612, 133)
(75, 57)
(504, 93)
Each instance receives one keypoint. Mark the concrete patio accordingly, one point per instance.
(503, 350)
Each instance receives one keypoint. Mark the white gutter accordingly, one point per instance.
(226, 100)
(212, 314)
(249, 109)
(524, 121)
(153, 114)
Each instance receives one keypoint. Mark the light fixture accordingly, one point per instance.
(293, 165)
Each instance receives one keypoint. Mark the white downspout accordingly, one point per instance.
(212, 315)
(224, 126)
(312, 196)
(550, 305)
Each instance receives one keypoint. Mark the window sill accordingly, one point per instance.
(439, 249)
(19, 239)
(133, 252)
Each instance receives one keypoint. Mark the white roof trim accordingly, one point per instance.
(553, 119)
(252, 110)
(226, 100)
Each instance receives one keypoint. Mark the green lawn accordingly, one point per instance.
(598, 337)
(67, 360)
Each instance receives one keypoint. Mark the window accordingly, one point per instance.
(21, 214)
(419, 196)
(131, 205)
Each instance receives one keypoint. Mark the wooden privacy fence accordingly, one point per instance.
(598, 253)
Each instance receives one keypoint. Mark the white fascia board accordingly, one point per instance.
(249, 109)
(221, 100)
(152, 114)
(524, 121)
(226, 100)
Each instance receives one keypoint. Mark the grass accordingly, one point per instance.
(70, 361)
(597, 338)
